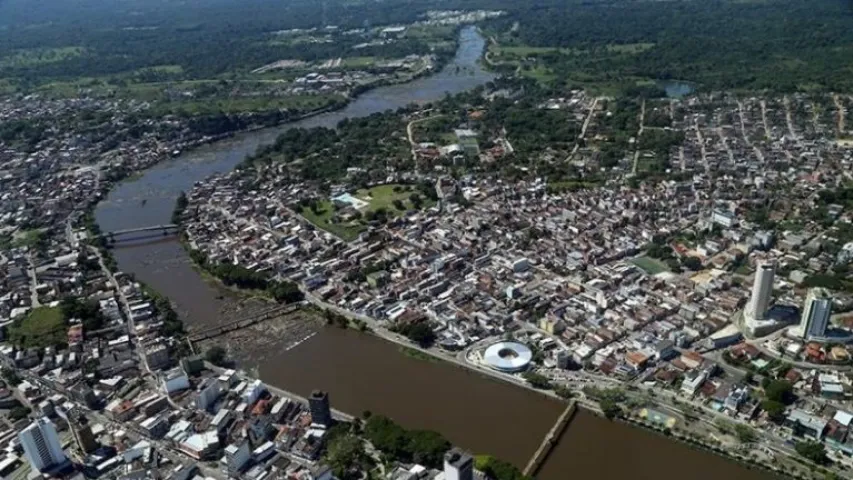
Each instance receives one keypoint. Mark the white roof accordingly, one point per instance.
(843, 418)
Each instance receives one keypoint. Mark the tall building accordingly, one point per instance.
(762, 291)
(236, 457)
(816, 313)
(82, 432)
(41, 445)
(458, 465)
(321, 413)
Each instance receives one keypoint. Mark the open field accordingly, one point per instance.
(322, 220)
(650, 265)
(43, 326)
(378, 197)
(383, 196)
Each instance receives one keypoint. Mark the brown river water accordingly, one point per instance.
(361, 372)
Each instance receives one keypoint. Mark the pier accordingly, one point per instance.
(550, 440)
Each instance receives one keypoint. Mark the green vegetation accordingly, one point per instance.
(385, 196)
(35, 239)
(18, 413)
(537, 380)
(180, 205)
(650, 265)
(42, 327)
(417, 354)
(88, 312)
(813, 451)
(419, 332)
(745, 434)
(215, 355)
(498, 469)
(140, 42)
(244, 278)
(11, 377)
(610, 400)
(420, 446)
(780, 45)
(347, 456)
(323, 217)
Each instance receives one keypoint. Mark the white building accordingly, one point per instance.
(41, 445)
(762, 292)
(816, 313)
(208, 393)
(458, 465)
(253, 392)
(175, 380)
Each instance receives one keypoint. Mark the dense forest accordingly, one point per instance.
(67, 39)
(781, 45)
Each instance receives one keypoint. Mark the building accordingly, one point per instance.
(82, 432)
(253, 392)
(802, 424)
(458, 465)
(816, 312)
(321, 413)
(208, 392)
(201, 446)
(235, 459)
(762, 291)
(157, 356)
(175, 380)
(41, 445)
(155, 427)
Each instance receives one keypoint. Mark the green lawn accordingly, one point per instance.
(358, 61)
(28, 238)
(650, 265)
(322, 219)
(380, 196)
(42, 327)
(383, 196)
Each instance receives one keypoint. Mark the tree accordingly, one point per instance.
(347, 456)
(427, 447)
(286, 292)
(775, 410)
(779, 391)
(745, 434)
(87, 311)
(399, 205)
(11, 377)
(420, 333)
(813, 451)
(18, 413)
(691, 263)
(537, 381)
(215, 355)
(564, 391)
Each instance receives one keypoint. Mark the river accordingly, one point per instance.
(365, 373)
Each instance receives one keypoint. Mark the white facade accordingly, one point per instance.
(762, 291)
(816, 313)
(253, 392)
(458, 465)
(41, 445)
(175, 380)
(208, 395)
